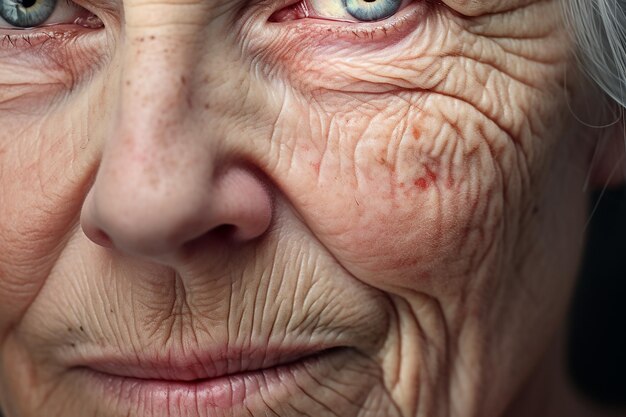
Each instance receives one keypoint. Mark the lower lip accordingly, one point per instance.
(154, 396)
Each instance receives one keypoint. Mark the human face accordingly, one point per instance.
(230, 208)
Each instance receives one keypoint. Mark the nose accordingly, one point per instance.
(167, 176)
(128, 211)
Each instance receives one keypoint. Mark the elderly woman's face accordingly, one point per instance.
(255, 208)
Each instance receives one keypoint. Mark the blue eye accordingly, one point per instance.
(371, 10)
(352, 10)
(26, 13)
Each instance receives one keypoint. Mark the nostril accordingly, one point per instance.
(100, 237)
(224, 231)
(96, 234)
(222, 234)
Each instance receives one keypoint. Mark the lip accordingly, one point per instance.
(187, 367)
(216, 380)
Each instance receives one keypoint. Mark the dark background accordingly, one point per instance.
(598, 320)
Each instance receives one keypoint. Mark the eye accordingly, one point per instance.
(371, 10)
(361, 10)
(24, 14)
(340, 10)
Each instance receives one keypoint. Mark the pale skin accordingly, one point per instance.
(194, 174)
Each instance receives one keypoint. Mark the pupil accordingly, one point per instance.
(30, 3)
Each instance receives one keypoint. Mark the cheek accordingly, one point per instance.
(45, 166)
(404, 196)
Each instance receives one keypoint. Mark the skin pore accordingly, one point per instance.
(405, 196)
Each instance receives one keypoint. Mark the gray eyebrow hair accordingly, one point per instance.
(599, 29)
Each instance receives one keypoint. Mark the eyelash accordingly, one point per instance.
(30, 40)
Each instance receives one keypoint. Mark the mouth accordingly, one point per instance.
(209, 382)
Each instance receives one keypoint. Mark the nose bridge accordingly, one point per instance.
(155, 75)
(153, 129)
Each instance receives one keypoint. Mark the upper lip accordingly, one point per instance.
(194, 366)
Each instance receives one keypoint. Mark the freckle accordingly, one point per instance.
(416, 133)
(128, 82)
(206, 106)
(421, 183)
(69, 329)
(73, 344)
(183, 80)
(81, 329)
(152, 37)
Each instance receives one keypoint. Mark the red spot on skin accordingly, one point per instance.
(416, 133)
(431, 175)
(421, 183)
(425, 182)
(316, 166)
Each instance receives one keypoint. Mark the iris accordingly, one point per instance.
(26, 13)
(371, 10)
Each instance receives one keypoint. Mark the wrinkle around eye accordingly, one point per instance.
(474, 8)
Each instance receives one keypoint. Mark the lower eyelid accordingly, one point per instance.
(65, 57)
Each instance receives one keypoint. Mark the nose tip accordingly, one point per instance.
(141, 220)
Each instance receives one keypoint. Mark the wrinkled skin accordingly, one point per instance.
(194, 174)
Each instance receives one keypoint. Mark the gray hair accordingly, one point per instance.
(599, 29)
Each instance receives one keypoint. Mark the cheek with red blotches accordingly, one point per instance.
(399, 194)
(403, 155)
